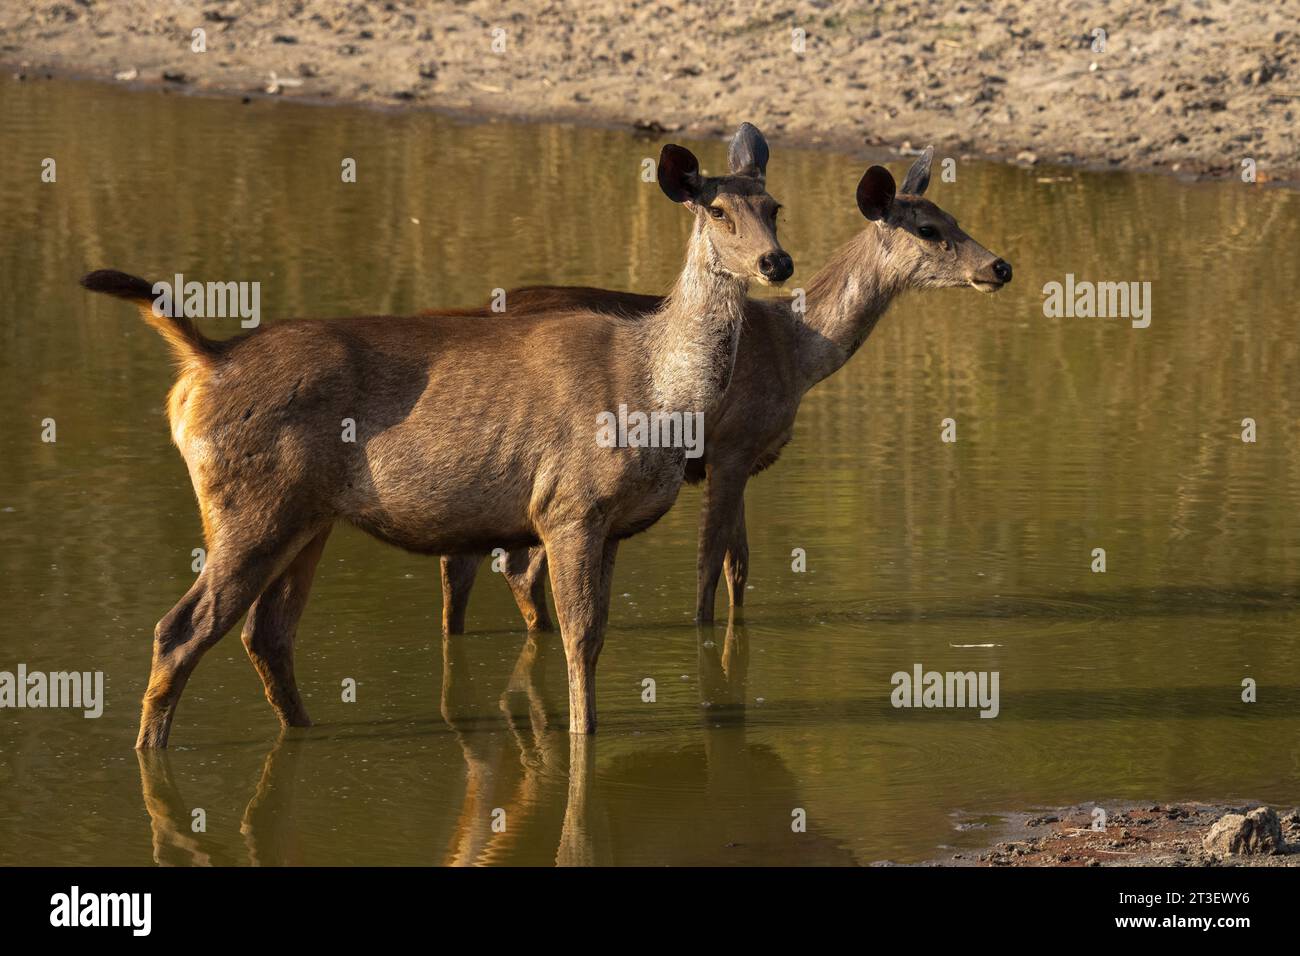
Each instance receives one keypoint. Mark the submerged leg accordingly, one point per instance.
(272, 627)
(581, 563)
(526, 574)
(458, 573)
(236, 572)
(724, 492)
(736, 565)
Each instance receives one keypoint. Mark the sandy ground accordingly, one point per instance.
(1192, 87)
(1138, 835)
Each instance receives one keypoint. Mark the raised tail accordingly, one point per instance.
(189, 344)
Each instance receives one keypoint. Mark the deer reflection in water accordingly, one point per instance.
(532, 792)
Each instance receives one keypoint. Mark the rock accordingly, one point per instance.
(1258, 832)
(649, 126)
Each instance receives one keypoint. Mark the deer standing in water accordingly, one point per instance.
(908, 243)
(468, 434)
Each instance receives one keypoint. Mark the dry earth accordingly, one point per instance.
(1191, 87)
(1139, 835)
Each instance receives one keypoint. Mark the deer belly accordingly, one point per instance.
(438, 503)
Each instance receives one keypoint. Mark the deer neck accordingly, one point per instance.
(845, 300)
(695, 332)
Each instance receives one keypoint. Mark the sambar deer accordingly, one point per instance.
(908, 243)
(468, 434)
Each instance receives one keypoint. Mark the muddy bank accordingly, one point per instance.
(1191, 88)
(1141, 835)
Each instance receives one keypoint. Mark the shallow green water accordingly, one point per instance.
(1073, 434)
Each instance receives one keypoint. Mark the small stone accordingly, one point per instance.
(1257, 832)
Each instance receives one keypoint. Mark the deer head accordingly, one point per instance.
(734, 214)
(922, 246)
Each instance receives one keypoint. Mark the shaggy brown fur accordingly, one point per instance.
(468, 435)
(909, 243)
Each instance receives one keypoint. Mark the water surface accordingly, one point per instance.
(1073, 434)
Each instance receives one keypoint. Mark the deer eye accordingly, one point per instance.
(716, 212)
(928, 232)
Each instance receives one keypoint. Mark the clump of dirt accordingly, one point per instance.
(1209, 88)
(1145, 835)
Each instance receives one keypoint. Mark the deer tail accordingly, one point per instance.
(189, 345)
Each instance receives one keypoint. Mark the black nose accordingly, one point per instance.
(1002, 269)
(776, 266)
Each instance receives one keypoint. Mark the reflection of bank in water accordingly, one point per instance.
(535, 794)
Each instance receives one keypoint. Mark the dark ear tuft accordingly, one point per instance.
(876, 193)
(679, 173)
(918, 177)
(748, 154)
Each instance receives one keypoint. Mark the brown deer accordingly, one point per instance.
(908, 243)
(467, 434)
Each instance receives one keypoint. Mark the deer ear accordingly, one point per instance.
(876, 193)
(918, 177)
(679, 173)
(748, 155)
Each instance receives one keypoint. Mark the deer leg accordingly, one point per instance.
(581, 565)
(458, 572)
(525, 572)
(272, 627)
(724, 490)
(235, 573)
(736, 565)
